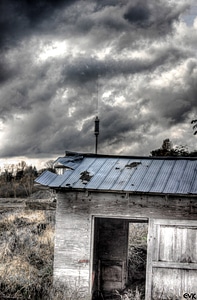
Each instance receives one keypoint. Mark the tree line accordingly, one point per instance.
(17, 180)
(167, 149)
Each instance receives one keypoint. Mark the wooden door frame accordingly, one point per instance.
(149, 260)
(129, 219)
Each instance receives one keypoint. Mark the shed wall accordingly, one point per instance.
(74, 226)
(72, 245)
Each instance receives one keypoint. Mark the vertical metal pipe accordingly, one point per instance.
(96, 132)
(96, 145)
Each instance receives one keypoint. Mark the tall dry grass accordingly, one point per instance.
(26, 254)
(26, 258)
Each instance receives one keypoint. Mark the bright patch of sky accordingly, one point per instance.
(53, 49)
(190, 15)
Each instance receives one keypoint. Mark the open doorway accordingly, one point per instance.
(137, 257)
(119, 258)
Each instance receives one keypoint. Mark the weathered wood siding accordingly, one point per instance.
(72, 245)
(75, 217)
(172, 259)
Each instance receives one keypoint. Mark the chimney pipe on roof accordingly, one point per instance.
(96, 132)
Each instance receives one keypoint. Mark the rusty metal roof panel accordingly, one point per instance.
(129, 174)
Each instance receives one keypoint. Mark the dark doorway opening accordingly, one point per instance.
(119, 258)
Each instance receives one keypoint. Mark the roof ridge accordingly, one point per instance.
(86, 154)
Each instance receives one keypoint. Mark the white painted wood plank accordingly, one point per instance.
(173, 265)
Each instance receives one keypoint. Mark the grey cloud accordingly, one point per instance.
(28, 89)
(24, 18)
(6, 72)
(154, 16)
(84, 69)
(48, 106)
(138, 14)
(173, 107)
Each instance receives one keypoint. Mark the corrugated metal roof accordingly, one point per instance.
(46, 178)
(127, 174)
(71, 162)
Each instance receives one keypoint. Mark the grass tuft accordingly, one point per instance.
(26, 254)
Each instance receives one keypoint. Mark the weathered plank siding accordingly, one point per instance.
(74, 230)
(72, 245)
(173, 259)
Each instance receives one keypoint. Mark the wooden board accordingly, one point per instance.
(172, 259)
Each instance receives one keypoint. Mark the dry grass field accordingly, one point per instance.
(26, 254)
(26, 258)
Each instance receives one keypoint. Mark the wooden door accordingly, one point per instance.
(112, 275)
(171, 259)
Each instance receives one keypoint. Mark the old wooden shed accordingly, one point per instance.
(98, 196)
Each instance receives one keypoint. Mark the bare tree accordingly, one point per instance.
(17, 180)
(50, 166)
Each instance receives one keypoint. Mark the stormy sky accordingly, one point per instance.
(132, 63)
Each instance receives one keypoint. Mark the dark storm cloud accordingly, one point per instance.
(23, 18)
(62, 59)
(6, 71)
(154, 15)
(27, 90)
(139, 14)
(84, 69)
(113, 125)
(175, 102)
(20, 19)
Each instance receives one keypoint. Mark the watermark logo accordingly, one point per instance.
(190, 296)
